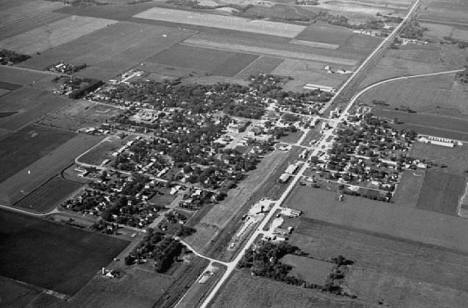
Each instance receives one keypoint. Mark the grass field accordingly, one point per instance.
(262, 64)
(382, 218)
(441, 192)
(308, 72)
(325, 33)
(48, 195)
(78, 114)
(53, 34)
(311, 270)
(292, 137)
(216, 62)
(312, 136)
(447, 126)
(453, 158)
(436, 94)
(243, 290)
(38, 170)
(267, 51)
(387, 268)
(29, 104)
(50, 255)
(223, 22)
(28, 145)
(104, 52)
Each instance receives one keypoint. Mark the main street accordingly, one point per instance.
(322, 144)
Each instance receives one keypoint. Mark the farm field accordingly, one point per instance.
(399, 272)
(104, 53)
(435, 94)
(27, 105)
(49, 195)
(223, 22)
(382, 218)
(324, 33)
(412, 60)
(21, 76)
(243, 290)
(53, 34)
(262, 64)
(441, 192)
(276, 51)
(21, 16)
(221, 63)
(39, 169)
(50, 255)
(28, 145)
(445, 12)
(453, 127)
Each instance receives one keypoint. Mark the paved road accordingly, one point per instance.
(232, 265)
(379, 48)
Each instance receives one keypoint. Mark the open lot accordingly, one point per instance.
(401, 273)
(53, 34)
(216, 62)
(311, 270)
(37, 169)
(50, 255)
(28, 145)
(48, 195)
(223, 22)
(382, 218)
(104, 52)
(28, 105)
(243, 290)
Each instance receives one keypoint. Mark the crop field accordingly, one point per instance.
(49, 195)
(20, 17)
(28, 145)
(28, 105)
(308, 269)
(42, 160)
(262, 64)
(138, 288)
(223, 22)
(16, 294)
(383, 218)
(386, 267)
(441, 192)
(221, 214)
(430, 124)
(243, 290)
(17, 75)
(104, 52)
(284, 53)
(216, 62)
(53, 34)
(307, 72)
(409, 188)
(445, 12)
(324, 33)
(51, 255)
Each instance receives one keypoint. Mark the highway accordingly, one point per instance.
(322, 144)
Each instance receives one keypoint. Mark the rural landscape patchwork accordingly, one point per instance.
(234, 153)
